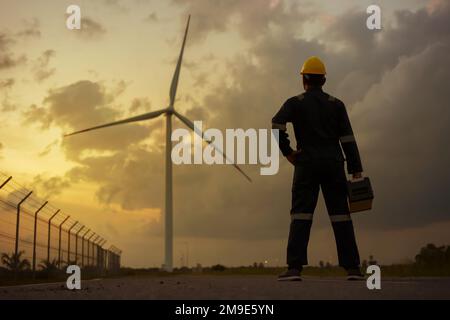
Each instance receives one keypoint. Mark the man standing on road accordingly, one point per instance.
(321, 127)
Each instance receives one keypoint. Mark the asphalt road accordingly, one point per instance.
(234, 287)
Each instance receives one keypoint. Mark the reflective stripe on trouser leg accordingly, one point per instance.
(301, 216)
(347, 139)
(340, 218)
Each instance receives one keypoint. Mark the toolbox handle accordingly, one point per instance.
(357, 179)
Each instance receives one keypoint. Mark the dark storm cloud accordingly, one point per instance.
(404, 124)
(35, 114)
(50, 186)
(117, 5)
(81, 105)
(253, 18)
(201, 80)
(368, 55)
(5, 87)
(6, 83)
(7, 58)
(393, 82)
(151, 17)
(90, 29)
(140, 105)
(31, 29)
(41, 68)
(131, 177)
(8, 106)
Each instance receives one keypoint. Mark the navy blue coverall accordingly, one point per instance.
(322, 130)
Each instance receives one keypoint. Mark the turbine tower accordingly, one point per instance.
(168, 112)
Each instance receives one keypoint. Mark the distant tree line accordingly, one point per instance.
(433, 256)
(428, 256)
(14, 266)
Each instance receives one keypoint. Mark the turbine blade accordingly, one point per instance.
(145, 116)
(191, 125)
(176, 75)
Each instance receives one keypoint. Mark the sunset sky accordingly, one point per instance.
(241, 63)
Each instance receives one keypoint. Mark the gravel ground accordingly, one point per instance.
(234, 287)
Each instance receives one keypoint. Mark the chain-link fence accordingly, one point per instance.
(35, 235)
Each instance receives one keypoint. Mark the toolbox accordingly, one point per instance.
(360, 194)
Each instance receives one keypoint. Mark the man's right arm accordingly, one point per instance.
(283, 116)
(348, 143)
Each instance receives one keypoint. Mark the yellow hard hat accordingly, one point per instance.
(313, 65)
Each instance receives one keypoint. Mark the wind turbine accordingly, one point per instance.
(168, 112)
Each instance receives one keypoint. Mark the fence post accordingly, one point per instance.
(68, 241)
(34, 237)
(103, 253)
(49, 230)
(4, 183)
(99, 253)
(18, 221)
(88, 240)
(105, 259)
(82, 247)
(59, 241)
(94, 251)
(76, 244)
(111, 255)
(113, 258)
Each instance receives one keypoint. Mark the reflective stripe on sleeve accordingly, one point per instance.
(346, 139)
(279, 126)
(340, 218)
(301, 216)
